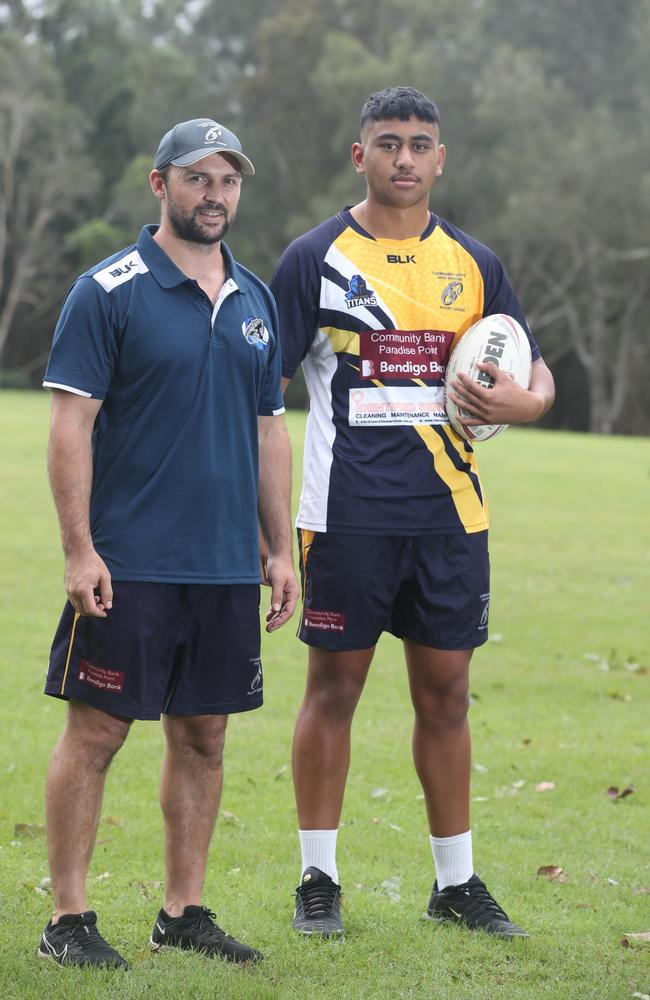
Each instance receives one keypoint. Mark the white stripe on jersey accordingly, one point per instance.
(319, 370)
(120, 271)
(333, 297)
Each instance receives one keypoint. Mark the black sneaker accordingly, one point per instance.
(318, 905)
(75, 940)
(472, 905)
(197, 931)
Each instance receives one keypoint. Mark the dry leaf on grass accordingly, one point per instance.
(552, 873)
(643, 937)
(545, 786)
(28, 830)
(613, 792)
(112, 821)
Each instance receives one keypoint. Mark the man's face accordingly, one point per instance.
(400, 160)
(199, 202)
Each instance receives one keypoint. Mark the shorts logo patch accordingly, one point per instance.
(101, 678)
(257, 683)
(324, 621)
(483, 624)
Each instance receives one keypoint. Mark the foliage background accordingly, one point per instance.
(546, 115)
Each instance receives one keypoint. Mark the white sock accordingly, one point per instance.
(453, 859)
(318, 848)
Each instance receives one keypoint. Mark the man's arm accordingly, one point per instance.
(70, 467)
(274, 511)
(505, 402)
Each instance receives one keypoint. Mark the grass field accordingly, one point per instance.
(561, 694)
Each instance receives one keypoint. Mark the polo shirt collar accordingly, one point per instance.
(165, 271)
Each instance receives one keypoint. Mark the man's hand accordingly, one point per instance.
(85, 573)
(281, 578)
(505, 402)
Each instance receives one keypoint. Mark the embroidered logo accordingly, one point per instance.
(358, 293)
(255, 332)
(483, 624)
(257, 683)
(451, 293)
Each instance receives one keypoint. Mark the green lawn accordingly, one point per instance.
(560, 694)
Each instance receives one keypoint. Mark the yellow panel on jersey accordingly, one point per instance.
(471, 510)
(342, 341)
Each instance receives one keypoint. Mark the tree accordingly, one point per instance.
(43, 178)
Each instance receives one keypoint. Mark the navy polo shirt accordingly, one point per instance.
(175, 444)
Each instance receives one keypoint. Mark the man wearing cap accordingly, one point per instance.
(167, 441)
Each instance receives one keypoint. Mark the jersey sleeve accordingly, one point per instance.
(271, 402)
(500, 298)
(85, 345)
(295, 284)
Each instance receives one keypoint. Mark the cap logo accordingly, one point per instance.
(213, 133)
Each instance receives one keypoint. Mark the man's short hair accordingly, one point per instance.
(399, 102)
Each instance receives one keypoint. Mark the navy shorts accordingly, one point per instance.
(179, 648)
(432, 589)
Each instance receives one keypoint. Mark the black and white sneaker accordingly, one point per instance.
(318, 905)
(197, 931)
(75, 940)
(472, 905)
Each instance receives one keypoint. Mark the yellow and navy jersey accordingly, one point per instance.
(373, 321)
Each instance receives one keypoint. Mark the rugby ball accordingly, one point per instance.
(500, 339)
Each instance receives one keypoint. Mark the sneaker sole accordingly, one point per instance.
(459, 923)
(156, 948)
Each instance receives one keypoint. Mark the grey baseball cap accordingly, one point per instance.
(188, 142)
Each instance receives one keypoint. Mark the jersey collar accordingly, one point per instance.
(346, 216)
(168, 275)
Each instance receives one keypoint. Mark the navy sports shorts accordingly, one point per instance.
(432, 589)
(179, 648)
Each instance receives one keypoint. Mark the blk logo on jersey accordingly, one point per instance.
(255, 332)
(396, 258)
(358, 293)
(126, 268)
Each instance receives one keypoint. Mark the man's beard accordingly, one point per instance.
(188, 227)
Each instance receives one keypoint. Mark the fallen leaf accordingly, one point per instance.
(481, 768)
(639, 936)
(377, 793)
(28, 830)
(612, 881)
(642, 891)
(553, 873)
(613, 792)
(518, 784)
(375, 820)
(283, 770)
(526, 742)
(112, 821)
(641, 996)
(545, 786)
(103, 876)
(394, 827)
(229, 819)
(480, 798)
